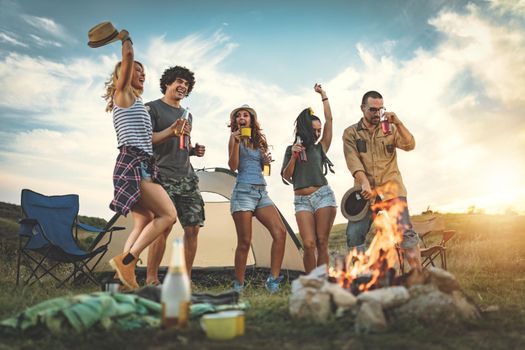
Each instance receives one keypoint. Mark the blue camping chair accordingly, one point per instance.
(46, 238)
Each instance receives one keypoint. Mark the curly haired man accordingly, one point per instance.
(170, 123)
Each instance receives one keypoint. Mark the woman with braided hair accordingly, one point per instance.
(305, 166)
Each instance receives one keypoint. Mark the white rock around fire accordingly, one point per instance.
(428, 297)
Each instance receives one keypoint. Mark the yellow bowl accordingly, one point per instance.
(223, 325)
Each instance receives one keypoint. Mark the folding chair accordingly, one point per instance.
(433, 226)
(47, 232)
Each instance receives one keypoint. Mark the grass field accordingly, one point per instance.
(487, 256)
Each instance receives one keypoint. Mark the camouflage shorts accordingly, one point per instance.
(185, 194)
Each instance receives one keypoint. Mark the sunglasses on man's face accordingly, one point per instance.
(374, 110)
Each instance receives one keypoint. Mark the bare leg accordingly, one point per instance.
(190, 245)
(154, 202)
(154, 198)
(141, 217)
(243, 226)
(306, 223)
(155, 254)
(270, 218)
(324, 219)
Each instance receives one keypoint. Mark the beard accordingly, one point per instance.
(373, 120)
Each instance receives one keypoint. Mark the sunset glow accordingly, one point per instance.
(452, 71)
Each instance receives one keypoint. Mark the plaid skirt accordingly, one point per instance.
(127, 177)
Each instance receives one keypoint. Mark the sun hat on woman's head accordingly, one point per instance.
(243, 107)
(102, 34)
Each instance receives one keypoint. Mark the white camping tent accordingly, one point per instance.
(217, 239)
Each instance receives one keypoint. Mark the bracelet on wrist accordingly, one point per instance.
(324, 99)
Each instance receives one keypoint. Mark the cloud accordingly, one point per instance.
(47, 25)
(78, 147)
(516, 7)
(477, 44)
(466, 118)
(44, 87)
(21, 29)
(42, 42)
(466, 145)
(9, 39)
(73, 148)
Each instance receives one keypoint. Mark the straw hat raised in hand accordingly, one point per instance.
(105, 33)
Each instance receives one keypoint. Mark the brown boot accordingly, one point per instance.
(126, 273)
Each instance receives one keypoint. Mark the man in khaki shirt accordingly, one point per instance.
(371, 157)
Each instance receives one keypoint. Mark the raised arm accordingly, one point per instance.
(326, 140)
(404, 139)
(124, 95)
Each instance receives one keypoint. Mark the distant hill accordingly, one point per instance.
(11, 213)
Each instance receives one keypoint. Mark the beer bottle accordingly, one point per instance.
(176, 291)
(183, 138)
(302, 154)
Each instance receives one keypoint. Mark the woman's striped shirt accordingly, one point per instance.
(133, 126)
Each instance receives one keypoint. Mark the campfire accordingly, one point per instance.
(373, 268)
(372, 287)
(376, 267)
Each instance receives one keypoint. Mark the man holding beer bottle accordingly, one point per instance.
(172, 148)
(370, 153)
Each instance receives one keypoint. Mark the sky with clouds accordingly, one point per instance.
(451, 70)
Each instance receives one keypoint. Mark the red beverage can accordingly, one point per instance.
(385, 124)
(302, 154)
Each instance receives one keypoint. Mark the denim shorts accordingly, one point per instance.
(144, 172)
(247, 197)
(323, 197)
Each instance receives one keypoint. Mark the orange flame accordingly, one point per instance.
(381, 255)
